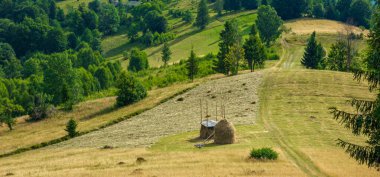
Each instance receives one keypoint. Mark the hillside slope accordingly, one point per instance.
(239, 94)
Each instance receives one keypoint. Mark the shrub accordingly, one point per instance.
(130, 90)
(264, 154)
(71, 128)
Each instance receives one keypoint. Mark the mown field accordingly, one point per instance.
(291, 116)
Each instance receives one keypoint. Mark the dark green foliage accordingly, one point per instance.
(203, 17)
(138, 60)
(219, 6)
(150, 39)
(86, 57)
(71, 128)
(104, 76)
(89, 83)
(192, 65)
(232, 5)
(60, 79)
(289, 9)
(90, 19)
(156, 22)
(337, 58)
(130, 90)
(229, 37)
(109, 19)
(74, 21)
(166, 54)
(366, 118)
(343, 7)
(360, 12)
(95, 5)
(268, 24)
(264, 154)
(10, 65)
(318, 10)
(314, 53)
(250, 4)
(254, 50)
(57, 41)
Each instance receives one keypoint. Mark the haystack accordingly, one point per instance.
(207, 129)
(224, 133)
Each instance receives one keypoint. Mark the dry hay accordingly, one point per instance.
(308, 26)
(224, 133)
(206, 132)
(173, 117)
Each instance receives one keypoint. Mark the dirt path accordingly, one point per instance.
(302, 161)
(240, 94)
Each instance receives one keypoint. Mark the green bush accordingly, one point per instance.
(264, 154)
(71, 128)
(130, 90)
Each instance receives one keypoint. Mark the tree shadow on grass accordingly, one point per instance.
(99, 113)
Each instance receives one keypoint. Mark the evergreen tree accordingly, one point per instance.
(268, 24)
(166, 54)
(233, 58)
(192, 65)
(337, 58)
(229, 36)
(313, 53)
(366, 119)
(203, 17)
(130, 90)
(254, 50)
(71, 128)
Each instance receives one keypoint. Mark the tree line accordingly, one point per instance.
(357, 11)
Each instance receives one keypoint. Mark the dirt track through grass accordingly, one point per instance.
(240, 94)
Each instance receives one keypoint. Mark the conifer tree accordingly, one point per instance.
(366, 119)
(313, 53)
(233, 58)
(254, 50)
(203, 17)
(192, 65)
(166, 54)
(229, 36)
(71, 128)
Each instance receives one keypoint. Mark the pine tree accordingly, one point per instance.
(166, 54)
(203, 17)
(71, 128)
(313, 53)
(229, 36)
(192, 65)
(254, 50)
(233, 58)
(366, 120)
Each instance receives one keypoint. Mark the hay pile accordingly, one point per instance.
(224, 133)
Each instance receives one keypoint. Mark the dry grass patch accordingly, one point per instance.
(307, 26)
(95, 162)
(90, 115)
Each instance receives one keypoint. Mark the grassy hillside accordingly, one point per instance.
(187, 36)
(293, 119)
